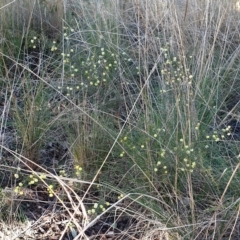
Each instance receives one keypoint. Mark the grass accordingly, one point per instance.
(124, 116)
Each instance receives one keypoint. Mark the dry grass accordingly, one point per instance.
(122, 131)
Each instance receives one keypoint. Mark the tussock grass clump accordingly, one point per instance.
(125, 114)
